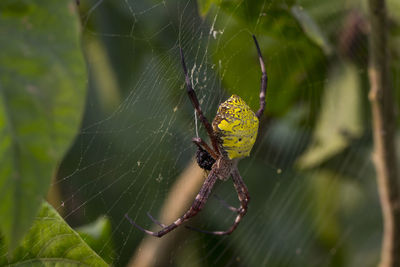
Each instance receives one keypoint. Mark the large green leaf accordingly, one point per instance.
(311, 28)
(98, 236)
(42, 90)
(340, 119)
(50, 242)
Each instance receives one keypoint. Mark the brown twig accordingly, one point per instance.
(384, 126)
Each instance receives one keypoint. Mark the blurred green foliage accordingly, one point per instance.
(314, 199)
(42, 91)
(50, 242)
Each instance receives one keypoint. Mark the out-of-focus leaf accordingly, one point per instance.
(311, 29)
(340, 119)
(42, 91)
(98, 235)
(103, 75)
(50, 242)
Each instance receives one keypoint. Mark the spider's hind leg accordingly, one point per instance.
(196, 207)
(244, 199)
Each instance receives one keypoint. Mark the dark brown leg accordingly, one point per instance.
(244, 198)
(201, 144)
(197, 206)
(196, 105)
(264, 81)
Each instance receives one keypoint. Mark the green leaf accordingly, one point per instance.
(42, 91)
(340, 119)
(98, 235)
(50, 242)
(311, 29)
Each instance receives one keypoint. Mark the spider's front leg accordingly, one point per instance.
(195, 102)
(264, 80)
(200, 143)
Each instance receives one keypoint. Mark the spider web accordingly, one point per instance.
(313, 196)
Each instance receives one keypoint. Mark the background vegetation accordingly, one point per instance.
(92, 105)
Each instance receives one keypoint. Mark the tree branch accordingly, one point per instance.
(384, 129)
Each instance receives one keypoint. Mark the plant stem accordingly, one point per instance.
(384, 129)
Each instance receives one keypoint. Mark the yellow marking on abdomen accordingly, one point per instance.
(236, 127)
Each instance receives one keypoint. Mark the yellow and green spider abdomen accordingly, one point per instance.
(236, 127)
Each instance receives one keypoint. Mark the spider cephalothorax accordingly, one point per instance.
(232, 135)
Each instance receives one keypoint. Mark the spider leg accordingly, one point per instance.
(197, 206)
(196, 105)
(244, 198)
(201, 144)
(264, 81)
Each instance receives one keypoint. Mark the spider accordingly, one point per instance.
(232, 134)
